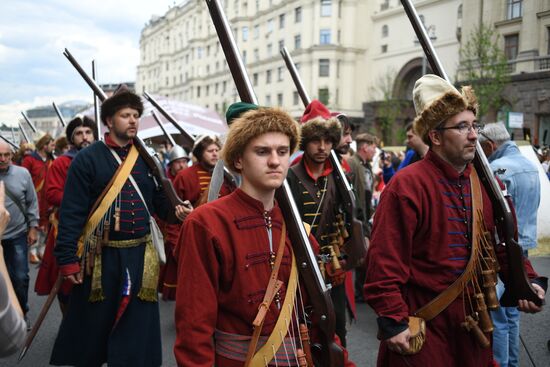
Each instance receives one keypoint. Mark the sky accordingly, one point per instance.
(33, 35)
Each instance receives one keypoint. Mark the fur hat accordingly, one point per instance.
(435, 100)
(43, 141)
(202, 143)
(121, 98)
(79, 121)
(256, 122)
(317, 122)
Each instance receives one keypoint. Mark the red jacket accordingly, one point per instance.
(191, 182)
(38, 168)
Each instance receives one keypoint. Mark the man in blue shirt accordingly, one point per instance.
(521, 178)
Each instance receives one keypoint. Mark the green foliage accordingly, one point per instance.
(483, 64)
(390, 108)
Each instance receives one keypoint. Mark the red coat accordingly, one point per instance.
(191, 182)
(53, 193)
(38, 168)
(420, 245)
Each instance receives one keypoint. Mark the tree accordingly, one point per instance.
(483, 64)
(389, 109)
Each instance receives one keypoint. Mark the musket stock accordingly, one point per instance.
(355, 247)
(329, 354)
(518, 285)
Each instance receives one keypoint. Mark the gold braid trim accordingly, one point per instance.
(150, 277)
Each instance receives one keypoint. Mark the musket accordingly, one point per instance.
(152, 160)
(12, 134)
(96, 106)
(167, 115)
(59, 115)
(161, 125)
(15, 147)
(327, 352)
(33, 128)
(24, 133)
(518, 286)
(355, 247)
(41, 317)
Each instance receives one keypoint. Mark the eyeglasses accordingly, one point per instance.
(464, 128)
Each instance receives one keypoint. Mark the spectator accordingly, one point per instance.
(521, 178)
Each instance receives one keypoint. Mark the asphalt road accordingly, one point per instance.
(362, 343)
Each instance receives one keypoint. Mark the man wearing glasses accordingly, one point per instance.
(423, 240)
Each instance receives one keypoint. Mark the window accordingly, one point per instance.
(281, 45)
(511, 43)
(280, 74)
(459, 12)
(255, 79)
(384, 49)
(216, 88)
(268, 100)
(269, 50)
(514, 9)
(280, 99)
(244, 58)
(326, 8)
(548, 40)
(385, 5)
(198, 92)
(385, 31)
(298, 14)
(268, 77)
(281, 21)
(324, 67)
(245, 35)
(224, 87)
(324, 38)
(256, 54)
(199, 53)
(270, 23)
(323, 96)
(256, 31)
(295, 98)
(207, 90)
(297, 42)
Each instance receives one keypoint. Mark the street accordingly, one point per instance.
(362, 343)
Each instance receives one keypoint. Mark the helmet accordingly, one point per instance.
(177, 152)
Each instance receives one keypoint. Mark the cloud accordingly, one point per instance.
(33, 35)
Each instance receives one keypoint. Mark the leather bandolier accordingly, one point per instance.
(320, 206)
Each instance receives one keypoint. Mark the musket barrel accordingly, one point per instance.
(167, 115)
(24, 133)
(9, 142)
(161, 125)
(59, 115)
(95, 87)
(33, 128)
(96, 104)
(291, 66)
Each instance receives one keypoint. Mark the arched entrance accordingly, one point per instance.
(407, 76)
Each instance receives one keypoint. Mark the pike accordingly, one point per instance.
(96, 105)
(59, 115)
(24, 133)
(328, 353)
(518, 285)
(33, 128)
(356, 246)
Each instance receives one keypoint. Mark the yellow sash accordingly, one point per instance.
(108, 199)
(267, 351)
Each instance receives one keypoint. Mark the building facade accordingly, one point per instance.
(523, 28)
(181, 56)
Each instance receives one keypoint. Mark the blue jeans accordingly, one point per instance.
(505, 333)
(16, 255)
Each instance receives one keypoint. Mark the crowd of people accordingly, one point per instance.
(228, 252)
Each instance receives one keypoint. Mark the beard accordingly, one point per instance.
(343, 149)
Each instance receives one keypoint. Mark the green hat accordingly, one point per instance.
(237, 109)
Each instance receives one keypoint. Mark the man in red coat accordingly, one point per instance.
(232, 247)
(192, 183)
(80, 133)
(38, 164)
(424, 234)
